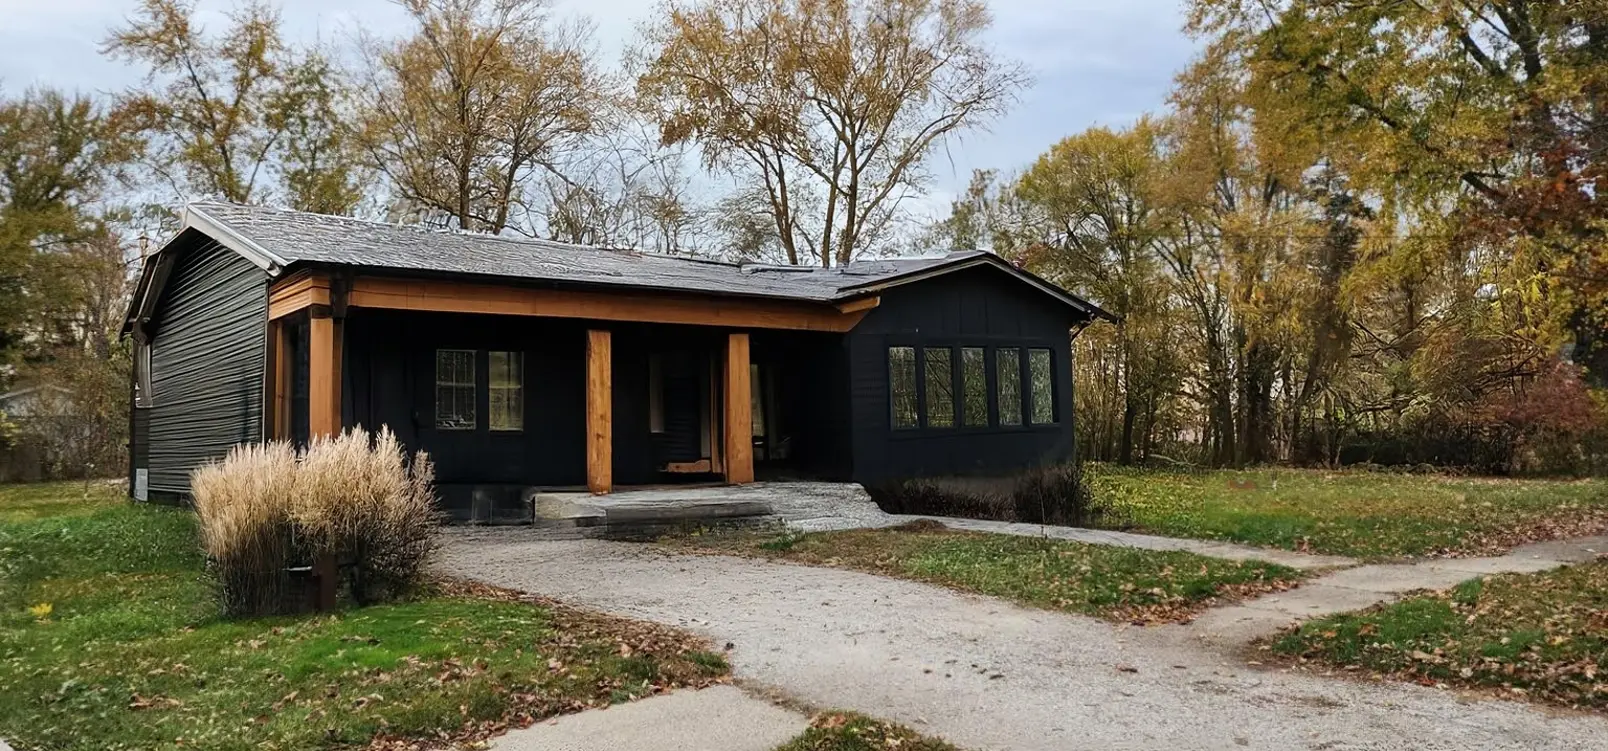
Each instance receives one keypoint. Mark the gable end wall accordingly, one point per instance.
(980, 307)
(207, 358)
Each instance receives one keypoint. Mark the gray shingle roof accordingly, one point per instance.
(276, 238)
(294, 237)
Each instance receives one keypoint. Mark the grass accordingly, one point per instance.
(24, 501)
(1539, 635)
(109, 639)
(1109, 582)
(1370, 515)
(846, 731)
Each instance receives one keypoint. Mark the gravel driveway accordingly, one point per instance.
(985, 674)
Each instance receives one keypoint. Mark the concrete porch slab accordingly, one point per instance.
(646, 512)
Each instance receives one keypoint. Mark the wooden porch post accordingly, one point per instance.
(599, 412)
(739, 412)
(278, 422)
(323, 376)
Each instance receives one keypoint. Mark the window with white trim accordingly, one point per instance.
(455, 389)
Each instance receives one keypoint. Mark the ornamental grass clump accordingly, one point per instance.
(353, 502)
(242, 507)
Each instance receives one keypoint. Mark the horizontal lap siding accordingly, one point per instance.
(207, 359)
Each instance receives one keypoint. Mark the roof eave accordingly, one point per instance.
(226, 236)
(985, 259)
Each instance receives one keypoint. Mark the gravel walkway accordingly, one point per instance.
(988, 675)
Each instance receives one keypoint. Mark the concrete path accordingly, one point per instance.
(719, 718)
(985, 674)
(825, 506)
(1145, 542)
(1366, 586)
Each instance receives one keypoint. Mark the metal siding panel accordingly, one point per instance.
(207, 361)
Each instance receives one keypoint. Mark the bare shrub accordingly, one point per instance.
(1059, 494)
(966, 497)
(355, 498)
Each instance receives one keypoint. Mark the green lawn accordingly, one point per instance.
(1371, 515)
(846, 731)
(24, 501)
(1542, 635)
(109, 640)
(1116, 583)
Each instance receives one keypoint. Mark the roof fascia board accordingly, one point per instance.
(196, 218)
(940, 269)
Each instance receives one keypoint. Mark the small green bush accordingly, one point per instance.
(1056, 494)
(1059, 495)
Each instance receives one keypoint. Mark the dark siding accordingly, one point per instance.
(139, 443)
(979, 307)
(389, 380)
(207, 357)
(812, 401)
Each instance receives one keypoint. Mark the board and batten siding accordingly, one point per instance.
(982, 307)
(208, 352)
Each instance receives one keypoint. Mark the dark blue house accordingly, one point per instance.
(522, 363)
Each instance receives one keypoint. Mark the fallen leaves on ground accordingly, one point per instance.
(694, 666)
(1539, 636)
(848, 731)
(1365, 514)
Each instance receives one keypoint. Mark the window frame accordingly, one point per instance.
(924, 414)
(473, 386)
(514, 356)
(1051, 384)
(965, 384)
(917, 421)
(997, 393)
(142, 373)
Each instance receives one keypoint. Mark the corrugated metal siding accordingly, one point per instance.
(207, 359)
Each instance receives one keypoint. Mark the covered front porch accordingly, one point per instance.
(517, 391)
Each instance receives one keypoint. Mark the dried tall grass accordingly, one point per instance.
(242, 506)
(354, 497)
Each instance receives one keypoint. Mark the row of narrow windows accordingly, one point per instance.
(947, 387)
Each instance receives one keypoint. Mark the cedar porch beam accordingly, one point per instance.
(739, 412)
(299, 291)
(323, 376)
(599, 412)
(461, 297)
(858, 306)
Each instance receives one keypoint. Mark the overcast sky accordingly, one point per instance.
(1096, 62)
